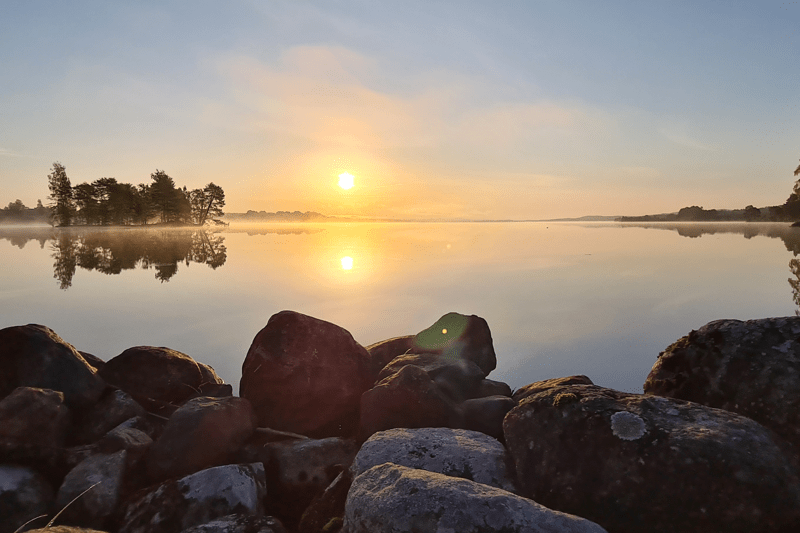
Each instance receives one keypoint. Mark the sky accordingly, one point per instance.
(439, 109)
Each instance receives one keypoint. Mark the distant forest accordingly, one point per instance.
(107, 202)
(788, 212)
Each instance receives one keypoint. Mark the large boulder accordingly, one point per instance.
(95, 485)
(452, 452)
(33, 426)
(459, 379)
(160, 379)
(635, 463)
(539, 386)
(306, 376)
(394, 499)
(197, 499)
(381, 353)
(34, 356)
(203, 432)
(751, 368)
(459, 336)
(113, 408)
(24, 495)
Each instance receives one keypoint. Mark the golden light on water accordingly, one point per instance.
(347, 263)
(346, 180)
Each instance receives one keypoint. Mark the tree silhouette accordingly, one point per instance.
(60, 195)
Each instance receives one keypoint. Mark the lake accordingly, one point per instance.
(601, 299)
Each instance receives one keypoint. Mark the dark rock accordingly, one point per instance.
(33, 424)
(636, 463)
(203, 432)
(489, 387)
(197, 499)
(239, 523)
(327, 508)
(486, 414)
(34, 356)
(95, 486)
(93, 361)
(24, 495)
(123, 437)
(158, 378)
(65, 529)
(539, 386)
(114, 408)
(394, 499)
(406, 399)
(458, 378)
(459, 336)
(452, 452)
(306, 376)
(751, 368)
(381, 353)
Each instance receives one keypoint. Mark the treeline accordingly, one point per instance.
(106, 201)
(18, 213)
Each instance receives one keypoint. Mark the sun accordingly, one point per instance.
(346, 180)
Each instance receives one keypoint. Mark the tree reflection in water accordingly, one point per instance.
(112, 251)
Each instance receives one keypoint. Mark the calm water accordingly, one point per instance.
(560, 298)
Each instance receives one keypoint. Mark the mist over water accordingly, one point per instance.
(599, 299)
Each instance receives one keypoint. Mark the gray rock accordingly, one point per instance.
(197, 499)
(34, 356)
(539, 386)
(239, 523)
(637, 463)
(33, 426)
(452, 452)
(395, 499)
(24, 495)
(101, 476)
(751, 368)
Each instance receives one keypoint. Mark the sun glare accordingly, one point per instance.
(347, 262)
(346, 180)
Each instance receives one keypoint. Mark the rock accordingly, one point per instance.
(486, 414)
(124, 437)
(158, 378)
(394, 499)
(459, 336)
(239, 523)
(203, 432)
(751, 368)
(114, 408)
(488, 387)
(381, 353)
(92, 360)
(327, 508)
(197, 499)
(306, 376)
(452, 452)
(24, 495)
(407, 399)
(34, 356)
(96, 483)
(459, 379)
(636, 463)
(539, 386)
(65, 529)
(33, 425)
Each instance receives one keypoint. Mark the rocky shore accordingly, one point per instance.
(406, 435)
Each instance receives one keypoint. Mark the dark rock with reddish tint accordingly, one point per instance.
(203, 432)
(381, 353)
(34, 356)
(459, 336)
(98, 481)
(306, 376)
(751, 368)
(197, 499)
(540, 386)
(636, 463)
(458, 378)
(489, 387)
(486, 414)
(33, 426)
(327, 508)
(24, 495)
(92, 360)
(160, 379)
(406, 399)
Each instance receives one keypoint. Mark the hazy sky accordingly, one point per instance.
(492, 109)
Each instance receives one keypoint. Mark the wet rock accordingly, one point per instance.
(203, 432)
(486, 414)
(96, 483)
(452, 452)
(459, 379)
(33, 425)
(327, 508)
(539, 386)
(636, 463)
(239, 523)
(458, 336)
(34, 356)
(306, 376)
(197, 499)
(381, 353)
(158, 378)
(24, 495)
(114, 408)
(406, 399)
(751, 368)
(391, 498)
